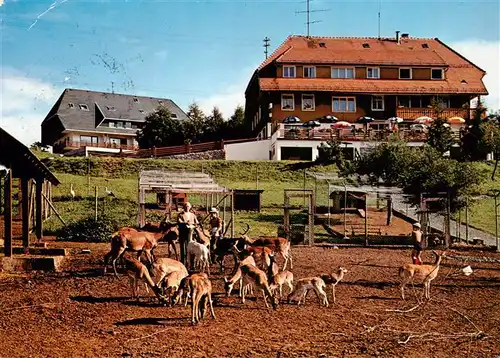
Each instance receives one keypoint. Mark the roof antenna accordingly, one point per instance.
(379, 10)
(308, 12)
(266, 45)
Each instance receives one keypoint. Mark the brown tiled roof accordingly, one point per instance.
(374, 51)
(368, 86)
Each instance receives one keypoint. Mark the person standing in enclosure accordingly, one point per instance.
(216, 228)
(187, 223)
(418, 244)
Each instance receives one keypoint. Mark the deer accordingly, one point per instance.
(171, 237)
(261, 252)
(201, 290)
(165, 266)
(172, 282)
(302, 289)
(333, 279)
(278, 279)
(427, 273)
(238, 277)
(256, 276)
(129, 239)
(137, 271)
(278, 244)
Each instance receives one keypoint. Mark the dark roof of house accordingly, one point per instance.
(462, 76)
(24, 164)
(100, 105)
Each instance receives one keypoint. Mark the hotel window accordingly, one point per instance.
(405, 73)
(308, 102)
(373, 72)
(288, 71)
(344, 104)
(88, 139)
(342, 72)
(437, 74)
(377, 103)
(287, 102)
(309, 71)
(111, 124)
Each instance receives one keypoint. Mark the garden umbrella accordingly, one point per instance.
(328, 119)
(395, 119)
(365, 119)
(311, 124)
(291, 119)
(342, 124)
(456, 120)
(423, 120)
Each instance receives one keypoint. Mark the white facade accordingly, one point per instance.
(253, 150)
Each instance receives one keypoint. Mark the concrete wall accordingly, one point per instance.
(254, 150)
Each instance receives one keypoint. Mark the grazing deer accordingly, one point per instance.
(333, 279)
(165, 266)
(304, 285)
(238, 277)
(137, 271)
(172, 282)
(427, 273)
(129, 239)
(201, 290)
(252, 274)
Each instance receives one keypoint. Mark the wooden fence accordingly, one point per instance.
(178, 149)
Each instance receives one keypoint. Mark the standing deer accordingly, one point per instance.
(427, 273)
(333, 279)
(201, 290)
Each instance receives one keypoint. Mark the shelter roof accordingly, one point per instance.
(178, 182)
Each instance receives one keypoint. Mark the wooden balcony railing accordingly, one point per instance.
(73, 144)
(414, 113)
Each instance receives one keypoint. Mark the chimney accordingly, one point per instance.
(397, 37)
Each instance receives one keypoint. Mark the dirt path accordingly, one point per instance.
(79, 313)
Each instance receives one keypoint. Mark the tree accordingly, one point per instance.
(160, 130)
(331, 152)
(194, 127)
(492, 140)
(473, 144)
(38, 146)
(235, 127)
(440, 136)
(214, 125)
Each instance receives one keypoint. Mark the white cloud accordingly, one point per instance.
(485, 54)
(24, 103)
(230, 97)
(1, 2)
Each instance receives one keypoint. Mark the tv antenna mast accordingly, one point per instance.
(308, 11)
(266, 45)
(379, 10)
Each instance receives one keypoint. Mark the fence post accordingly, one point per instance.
(153, 150)
(221, 144)
(187, 148)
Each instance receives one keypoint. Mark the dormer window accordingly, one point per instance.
(437, 74)
(111, 108)
(160, 102)
(141, 110)
(405, 74)
(84, 107)
(71, 105)
(288, 71)
(425, 46)
(366, 45)
(136, 100)
(173, 116)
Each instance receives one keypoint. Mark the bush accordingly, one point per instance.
(88, 230)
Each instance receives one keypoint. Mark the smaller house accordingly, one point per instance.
(105, 122)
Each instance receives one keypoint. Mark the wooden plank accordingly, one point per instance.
(25, 212)
(8, 214)
(38, 208)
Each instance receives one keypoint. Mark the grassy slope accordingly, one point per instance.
(120, 175)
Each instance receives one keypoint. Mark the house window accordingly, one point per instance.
(404, 101)
(288, 71)
(437, 73)
(88, 139)
(119, 124)
(373, 72)
(111, 124)
(114, 141)
(71, 105)
(128, 125)
(405, 73)
(287, 102)
(83, 107)
(309, 71)
(342, 72)
(134, 126)
(344, 104)
(173, 116)
(377, 103)
(111, 108)
(308, 102)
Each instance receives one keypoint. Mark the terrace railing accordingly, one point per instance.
(74, 144)
(414, 113)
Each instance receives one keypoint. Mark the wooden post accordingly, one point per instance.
(232, 214)
(96, 189)
(38, 208)
(8, 214)
(467, 220)
(25, 211)
(389, 210)
(366, 219)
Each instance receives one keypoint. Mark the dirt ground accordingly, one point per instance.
(79, 313)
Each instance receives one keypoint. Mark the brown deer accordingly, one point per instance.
(333, 279)
(201, 291)
(302, 289)
(252, 274)
(279, 245)
(129, 239)
(426, 273)
(137, 271)
(165, 266)
(238, 276)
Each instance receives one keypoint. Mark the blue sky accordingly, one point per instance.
(202, 51)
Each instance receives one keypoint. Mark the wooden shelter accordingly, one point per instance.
(33, 180)
(177, 184)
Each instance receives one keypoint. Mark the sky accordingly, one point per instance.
(199, 51)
